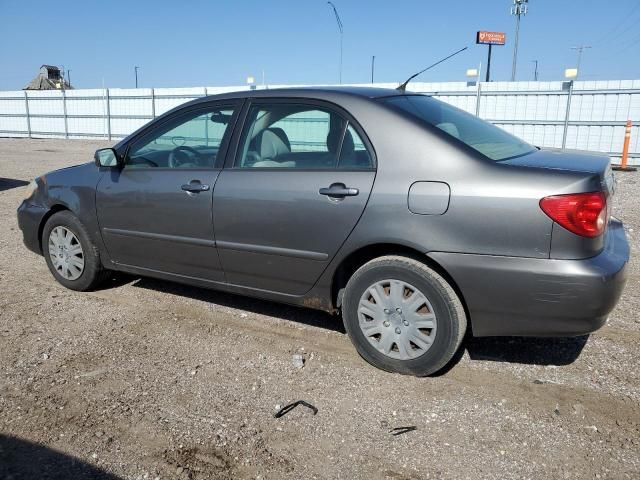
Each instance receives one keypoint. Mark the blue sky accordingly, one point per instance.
(220, 42)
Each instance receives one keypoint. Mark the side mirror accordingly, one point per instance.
(106, 157)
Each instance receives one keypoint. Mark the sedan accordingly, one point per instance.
(416, 222)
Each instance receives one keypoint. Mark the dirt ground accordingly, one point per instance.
(147, 379)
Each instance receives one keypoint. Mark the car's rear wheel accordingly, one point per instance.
(70, 254)
(402, 316)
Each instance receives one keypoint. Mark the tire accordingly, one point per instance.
(418, 341)
(92, 273)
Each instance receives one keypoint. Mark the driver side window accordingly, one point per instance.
(189, 141)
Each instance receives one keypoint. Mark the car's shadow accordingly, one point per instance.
(24, 460)
(524, 350)
(292, 313)
(9, 183)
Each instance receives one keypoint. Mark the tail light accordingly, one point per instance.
(584, 214)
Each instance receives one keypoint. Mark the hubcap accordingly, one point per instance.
(397, 319)
(66, 253)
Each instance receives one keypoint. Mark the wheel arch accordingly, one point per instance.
(359, 257)
(55, 208)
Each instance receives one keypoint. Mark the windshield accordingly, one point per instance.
(489, 140)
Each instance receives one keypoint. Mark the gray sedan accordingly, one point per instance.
(417, 221)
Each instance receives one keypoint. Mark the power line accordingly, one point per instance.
(621, 22)
(632, 43)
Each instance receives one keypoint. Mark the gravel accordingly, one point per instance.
(150, 379)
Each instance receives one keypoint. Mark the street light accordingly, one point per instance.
(335, 11)
(135, 69)
(475, 73)
(571, 73)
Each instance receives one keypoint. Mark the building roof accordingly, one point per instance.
(42, 82)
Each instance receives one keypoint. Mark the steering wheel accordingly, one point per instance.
(182, 155)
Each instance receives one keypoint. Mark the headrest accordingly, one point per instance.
(272, 142)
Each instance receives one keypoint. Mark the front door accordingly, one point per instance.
(155, 213)
(295, 191)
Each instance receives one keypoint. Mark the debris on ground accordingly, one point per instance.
(287, 408)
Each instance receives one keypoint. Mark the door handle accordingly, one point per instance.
(195, 187)
(339, 190)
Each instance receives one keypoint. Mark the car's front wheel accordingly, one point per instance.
(70, 254)
(402, 316)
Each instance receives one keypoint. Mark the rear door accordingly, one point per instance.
(291, 195)
(155, 213)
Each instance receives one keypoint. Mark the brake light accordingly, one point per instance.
(584, 214)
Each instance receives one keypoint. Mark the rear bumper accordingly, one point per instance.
(29, 220)
(540, 297)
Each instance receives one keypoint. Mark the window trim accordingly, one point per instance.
(153, 126)
(242, 123)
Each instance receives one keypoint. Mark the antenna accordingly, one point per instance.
(403, 86)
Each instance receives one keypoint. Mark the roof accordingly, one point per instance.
(366, 92)
(43, 83)
(321, 93)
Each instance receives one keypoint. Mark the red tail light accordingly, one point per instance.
(584, 214)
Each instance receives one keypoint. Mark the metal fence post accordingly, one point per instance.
(567, 85)
(478, 94)
(64, 111)
(153, 103)
(108, 116)
(26, 110)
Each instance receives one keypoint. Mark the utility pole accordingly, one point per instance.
(373, 63)
(535, 71)
(135, 69)
(69, 77)
(335, 11)
(579, 48)
(519, 8)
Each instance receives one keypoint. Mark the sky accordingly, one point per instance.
(221, 42)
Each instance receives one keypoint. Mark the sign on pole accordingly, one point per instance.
(491, 38)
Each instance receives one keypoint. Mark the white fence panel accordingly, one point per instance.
(534, 111)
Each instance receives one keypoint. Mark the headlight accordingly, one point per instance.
(30, 189)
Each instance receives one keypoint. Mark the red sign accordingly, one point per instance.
(491, 38)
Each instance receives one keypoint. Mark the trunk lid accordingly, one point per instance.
(570, 160)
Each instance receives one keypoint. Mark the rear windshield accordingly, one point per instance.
(489, 140)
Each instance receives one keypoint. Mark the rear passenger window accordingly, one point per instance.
(291, 136)
(354, 153)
